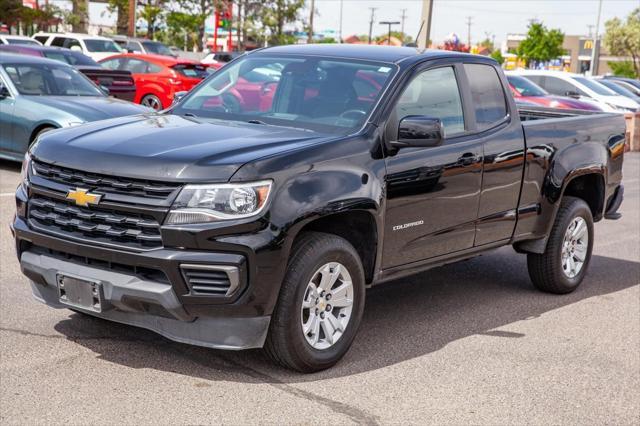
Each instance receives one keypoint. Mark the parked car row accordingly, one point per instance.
(38, 95)
(584, 89)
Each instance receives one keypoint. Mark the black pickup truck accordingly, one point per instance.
(257, 210)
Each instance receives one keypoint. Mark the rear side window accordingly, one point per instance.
(58, 41)
(487, 95)
(42, 39)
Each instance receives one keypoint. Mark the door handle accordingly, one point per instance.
(467, 159)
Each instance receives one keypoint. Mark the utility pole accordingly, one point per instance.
(389, 23)
(595, 51)
(340, 31)
(131, 31)
(311, 13)
(427, 13)
(403, 17)
(469, 22)
(373, 17)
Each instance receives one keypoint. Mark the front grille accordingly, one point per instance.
(103, 183)
(149, 274)
(211, 280)
(98, 225)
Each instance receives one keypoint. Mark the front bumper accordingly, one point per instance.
(132, 300)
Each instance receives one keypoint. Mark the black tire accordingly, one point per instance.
(152, 101)
(545, 269)
(286, 343)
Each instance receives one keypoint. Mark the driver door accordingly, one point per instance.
(7, 120)
(432, 193)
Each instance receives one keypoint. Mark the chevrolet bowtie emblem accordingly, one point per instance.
(82, 197)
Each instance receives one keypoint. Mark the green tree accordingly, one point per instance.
(497, 55)
(80, 12)
(275, 14)
(121, 9)
(182, 30)
(623, 69)
(623, 38)
(11, 13)
(541, 44)
(151, 13)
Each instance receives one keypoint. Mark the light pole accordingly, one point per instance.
(389, 23)
(595, 54)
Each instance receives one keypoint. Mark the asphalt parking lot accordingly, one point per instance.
(466, 343)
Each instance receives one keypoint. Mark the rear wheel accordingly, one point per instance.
(563, 265)
(151, 101)
(320, 305)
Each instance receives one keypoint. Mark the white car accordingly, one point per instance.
(18, 39)
(96, 47)
(581, 87)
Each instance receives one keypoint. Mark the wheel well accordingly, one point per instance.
(590, 188)
(38, 130)
(357, 227)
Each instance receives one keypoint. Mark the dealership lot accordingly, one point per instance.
(466, 343)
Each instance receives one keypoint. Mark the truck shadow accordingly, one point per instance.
(403, 320)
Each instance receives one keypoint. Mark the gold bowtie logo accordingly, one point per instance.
(82, 197)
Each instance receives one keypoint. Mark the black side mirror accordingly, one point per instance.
(572, 94)
(4, 91)
(177, 97)
(418, 131)
(105, 89)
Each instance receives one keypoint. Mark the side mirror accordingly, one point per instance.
(572, 94)
(4, 91)
(418, 131)
(177, 97)
(105, 89)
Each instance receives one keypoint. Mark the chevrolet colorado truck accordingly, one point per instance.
(257, 210)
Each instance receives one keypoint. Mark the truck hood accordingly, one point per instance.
(167, 147)
(90, 108)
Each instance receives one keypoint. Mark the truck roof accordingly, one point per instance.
(391, 54)
(14, 58)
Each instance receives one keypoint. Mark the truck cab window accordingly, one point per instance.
(487, 96)
(433, 93)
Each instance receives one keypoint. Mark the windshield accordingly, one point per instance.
(74, 58)
(23, 41)
(319, 94)
(618, 89)
(97, 45)
(157, 48)
(595, 86)
(49, 80)
(525, 87)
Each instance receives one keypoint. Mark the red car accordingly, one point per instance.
(158, 78)
(526, 91)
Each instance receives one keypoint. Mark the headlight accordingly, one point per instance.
(211, 203)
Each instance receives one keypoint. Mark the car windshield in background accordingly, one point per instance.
(97, 45)
(71, 58)
(157, 48)
(319, 94)
(526, 87)
(595, 86)
(49, 80)
(23, 41)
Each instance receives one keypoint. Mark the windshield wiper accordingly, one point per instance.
(256, 122)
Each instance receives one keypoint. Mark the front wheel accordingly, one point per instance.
(563, 265)
(320, 305)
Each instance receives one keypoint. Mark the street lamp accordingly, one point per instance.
(389, 23)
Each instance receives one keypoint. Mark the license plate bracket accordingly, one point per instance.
(80, 293)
